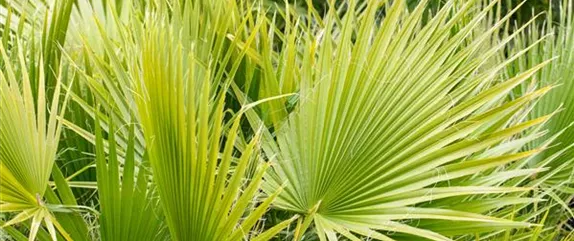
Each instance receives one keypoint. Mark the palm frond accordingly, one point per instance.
(29, 145)
(204, 194)
(390, 117)
(558, 44)
(129, 207)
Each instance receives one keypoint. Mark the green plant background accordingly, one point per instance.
(237, 84)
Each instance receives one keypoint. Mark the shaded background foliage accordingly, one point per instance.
(528, 8)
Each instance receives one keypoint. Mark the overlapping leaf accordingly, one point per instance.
(391, 115)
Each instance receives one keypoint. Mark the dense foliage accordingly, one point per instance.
(282, 120)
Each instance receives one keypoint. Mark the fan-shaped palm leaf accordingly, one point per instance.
(29, 142)
(390, 116)
(182, 115)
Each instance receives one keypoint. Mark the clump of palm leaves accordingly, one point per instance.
(233, 120)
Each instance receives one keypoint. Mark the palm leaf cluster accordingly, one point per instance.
(258, 120)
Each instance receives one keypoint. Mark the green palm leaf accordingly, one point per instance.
(393, 112)
(204, 194)
(29, 142)
(408, 122)
(559, 45)
(129, 208)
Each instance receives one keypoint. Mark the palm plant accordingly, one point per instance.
(42, 26)
(559, 44)
(557, 181)
(181, 115)
(30, 139)
(129, 208)
(430, 123)
(237, 120)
